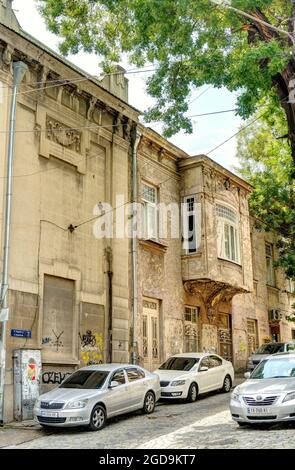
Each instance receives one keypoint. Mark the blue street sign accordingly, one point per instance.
(21, 333)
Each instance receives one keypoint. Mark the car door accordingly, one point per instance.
(217, 370)
(136, 386)
(204, 378)
(117, 397)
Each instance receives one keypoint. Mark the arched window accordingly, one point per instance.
(228, 233)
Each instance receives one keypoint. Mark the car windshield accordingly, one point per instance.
(86, 379)
(179, 363)
(270, 348)
(274, 369)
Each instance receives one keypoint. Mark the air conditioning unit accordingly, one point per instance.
(274, 315)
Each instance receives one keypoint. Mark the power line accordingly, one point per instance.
(236, 133)
(243, 128)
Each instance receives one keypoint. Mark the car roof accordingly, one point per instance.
(195, 355)
(108, 367)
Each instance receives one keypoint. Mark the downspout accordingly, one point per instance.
(19, 70)
(135, 139)
(109, 256)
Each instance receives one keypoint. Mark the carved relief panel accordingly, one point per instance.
(62, 138)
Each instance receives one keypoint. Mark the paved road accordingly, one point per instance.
(204, 424)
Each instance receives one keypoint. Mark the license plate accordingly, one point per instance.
(49, 414)
(258, 411)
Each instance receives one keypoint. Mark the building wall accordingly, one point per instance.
(65, 165)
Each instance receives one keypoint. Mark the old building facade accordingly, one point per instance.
(205, 278)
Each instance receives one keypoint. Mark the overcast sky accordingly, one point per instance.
(209, 131)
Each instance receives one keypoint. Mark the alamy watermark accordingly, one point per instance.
(147, 221)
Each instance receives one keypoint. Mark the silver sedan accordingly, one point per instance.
(269, 393)
(92, 394)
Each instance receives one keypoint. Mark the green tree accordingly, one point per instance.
(190, 43)
(266, 162)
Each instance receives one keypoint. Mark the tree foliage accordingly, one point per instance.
(189, 42)
(265, 161)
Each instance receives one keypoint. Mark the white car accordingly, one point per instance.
(187, 375)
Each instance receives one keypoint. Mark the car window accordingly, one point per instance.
(275, 368)
(85, 379)
(134, 374)
(291, 347)
(119, 376)
(205, 362)
(215, 361)
(179, 363)
(270, 348)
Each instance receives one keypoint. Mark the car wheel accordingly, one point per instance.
(226, 384)
(149, 403)
(192, 393)
(98, 418)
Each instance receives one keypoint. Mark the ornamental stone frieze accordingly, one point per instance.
(212, 293)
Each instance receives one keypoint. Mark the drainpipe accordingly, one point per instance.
(109, 257)
(19, 70)
(135, 139)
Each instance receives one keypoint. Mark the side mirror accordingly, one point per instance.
(204, 369)
(247, 375)
(114, 384)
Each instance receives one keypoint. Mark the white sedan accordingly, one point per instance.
(189, 374)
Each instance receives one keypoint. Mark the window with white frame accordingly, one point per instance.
(270, 272)
(150, 213)
(191, 329)
(189, 225)
(228, 233)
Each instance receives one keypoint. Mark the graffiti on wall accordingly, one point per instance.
(55, 341)
(92, 347)
(209, 338)
(54, 377)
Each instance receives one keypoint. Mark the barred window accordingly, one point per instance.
(191, 329)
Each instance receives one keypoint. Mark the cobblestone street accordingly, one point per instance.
(204, 424)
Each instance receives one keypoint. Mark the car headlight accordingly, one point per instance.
(77, 404)
(289, 396)
(175, 383)
(235, 396)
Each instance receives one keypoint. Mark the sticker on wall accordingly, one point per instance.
(32, 371)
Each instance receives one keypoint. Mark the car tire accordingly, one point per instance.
(149, 403)
(227, 384)
(192, 393)
(98, 418)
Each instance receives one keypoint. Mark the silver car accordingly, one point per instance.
(269, 393)
(92, 394)
(267, 349)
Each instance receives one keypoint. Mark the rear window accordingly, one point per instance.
(270, 348)
(179, 363)
(86, 379)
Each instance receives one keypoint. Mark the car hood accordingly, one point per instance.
(266, 386)
(66, 394)
(172, 374)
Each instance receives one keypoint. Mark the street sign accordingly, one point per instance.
(21, 333)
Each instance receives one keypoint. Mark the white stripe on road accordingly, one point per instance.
(167, 440)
